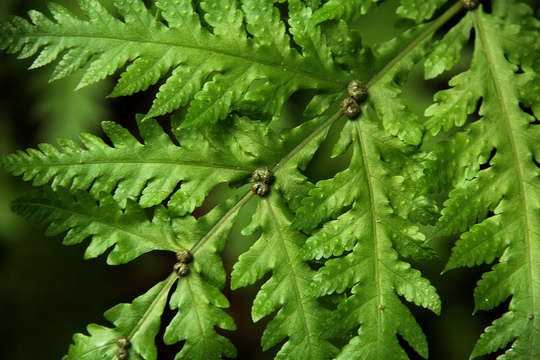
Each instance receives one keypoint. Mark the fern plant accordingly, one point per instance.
(337, 255)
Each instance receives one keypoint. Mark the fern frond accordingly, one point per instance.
(82, 216)
(197, 295)
(211, 66)
(495, 203)
(368, 237)
(230, 60)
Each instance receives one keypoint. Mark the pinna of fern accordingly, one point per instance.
(218, 57)
(494, 165)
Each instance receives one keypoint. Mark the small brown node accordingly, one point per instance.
(530, 316)
(181, 269)
(470, 4)
(123, 345)
(262, 175)
(350, 108)
(357, 90)
(184, 256)
(260, 189)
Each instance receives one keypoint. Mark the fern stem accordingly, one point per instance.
(221, 221)
(163, 292)
(450, 13)
(311, 136)
(249, 194)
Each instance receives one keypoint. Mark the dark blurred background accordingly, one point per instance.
(48, 292)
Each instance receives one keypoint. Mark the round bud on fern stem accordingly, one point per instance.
(260, 189)
(350, 108)
(470, 4)
(184, 256)
(262, 175)
(122, 343)
(181, 269)
(357, 90)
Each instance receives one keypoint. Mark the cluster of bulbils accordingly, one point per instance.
(184, 257)
(357, 91)
(262, 178)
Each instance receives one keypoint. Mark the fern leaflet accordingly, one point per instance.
(216, 65)
(494, 203)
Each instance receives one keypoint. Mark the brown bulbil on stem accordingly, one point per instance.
(470, 4)
(357, 90)
(262, 175)
(350, 108)
(184, 256)
(260, 189)
(181, 269)
(123, 345)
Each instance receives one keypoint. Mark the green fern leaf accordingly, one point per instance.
(300, 317)
(197, 295)
(418, 10)
(336, 9)
(129, 230)
(395, 59)
(147, 172)
(212, 78)
(368, 239)
(495, 200)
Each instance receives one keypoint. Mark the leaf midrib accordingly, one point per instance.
(135, 162)
(288, 259)
(164, 291)
(373, 211)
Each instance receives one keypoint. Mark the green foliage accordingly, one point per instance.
(367, 240)
(210, 59)
(337, 257)
(131, 233)
(497, 209)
